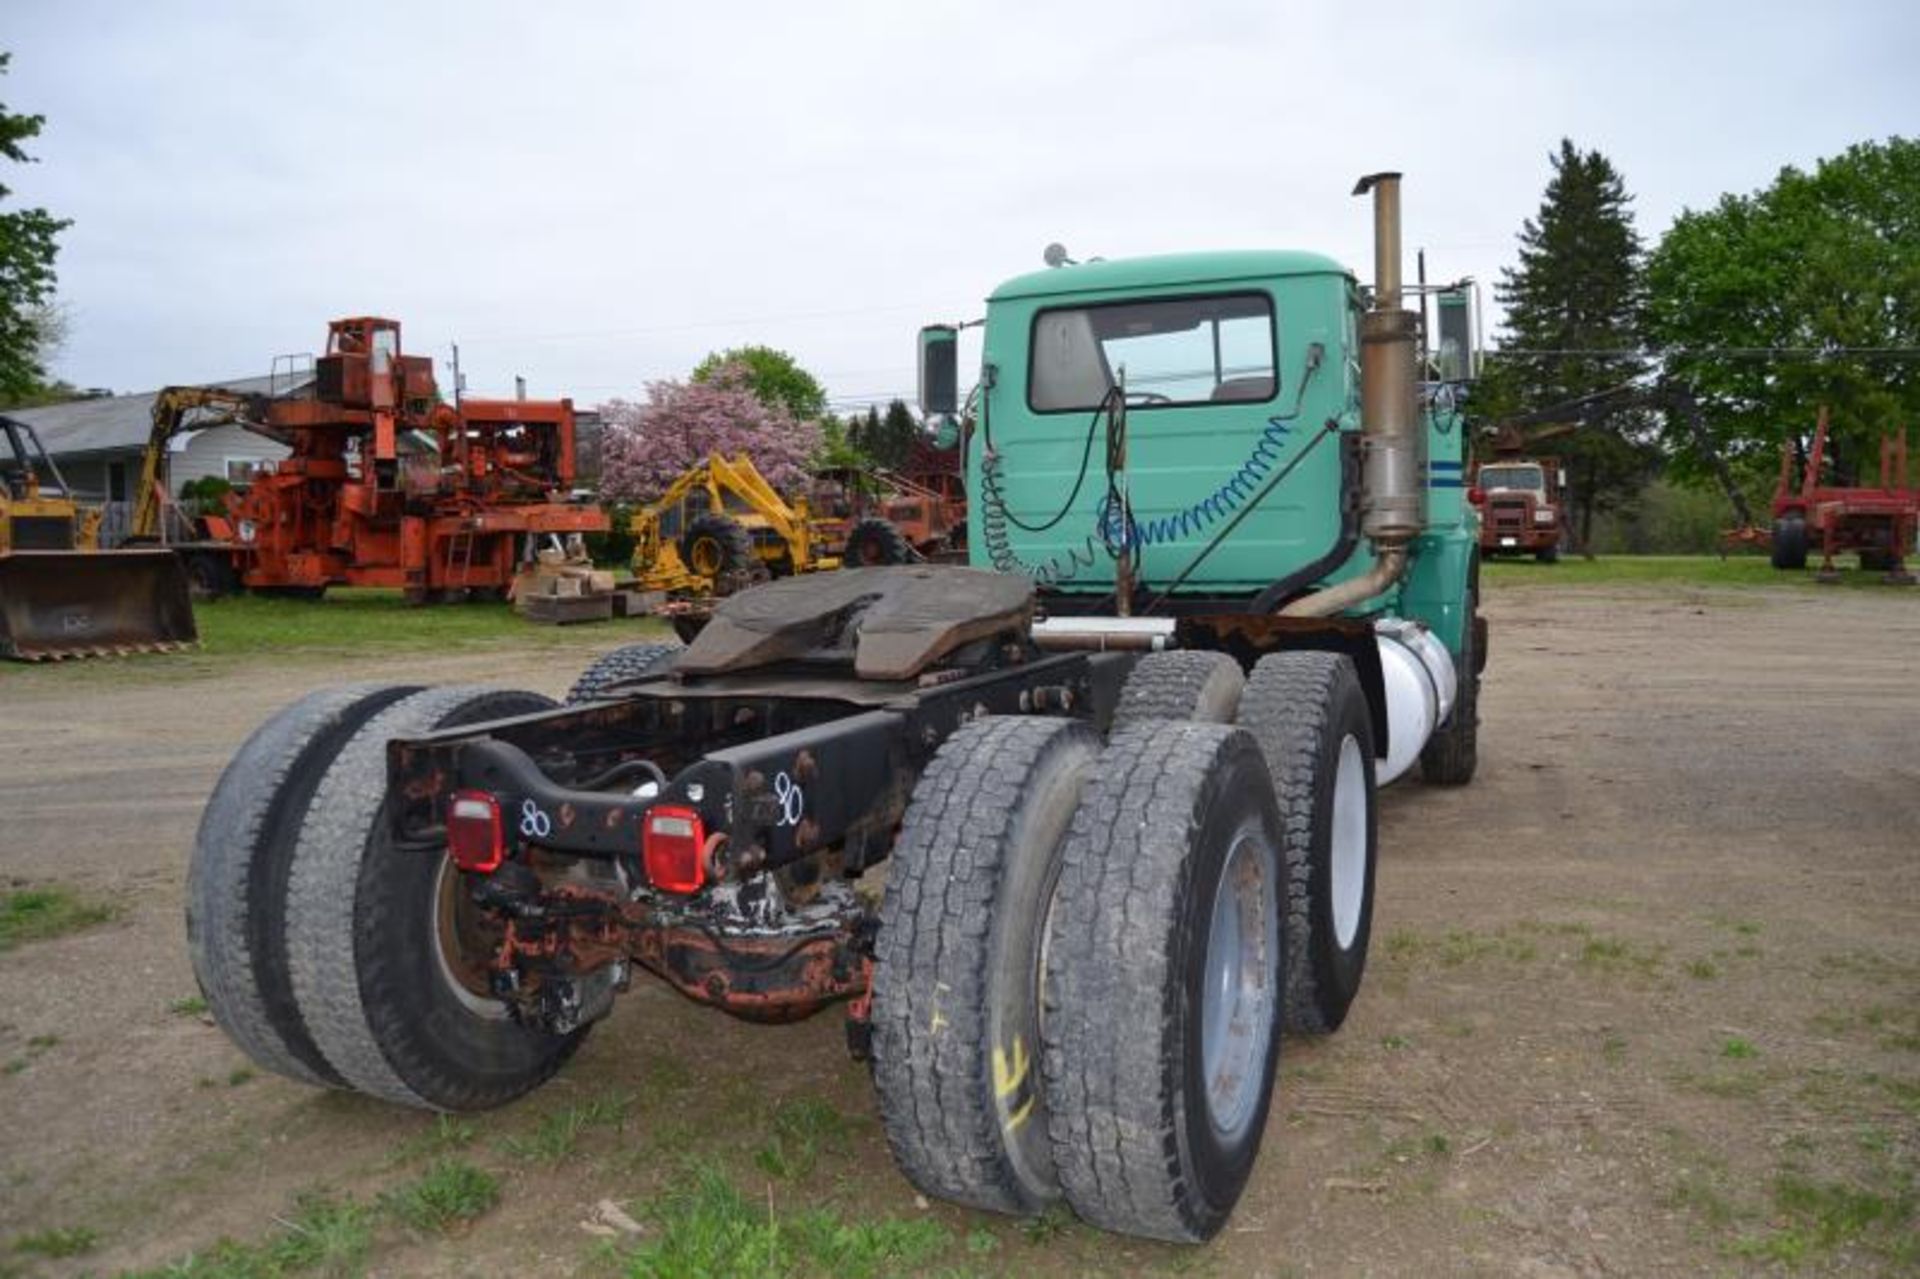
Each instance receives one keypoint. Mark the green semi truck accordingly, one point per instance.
(1074, 832)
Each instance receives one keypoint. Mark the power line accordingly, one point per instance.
(1713, 352)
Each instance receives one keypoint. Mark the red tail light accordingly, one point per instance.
(671, 847)
(476, 838)
(1476, 495)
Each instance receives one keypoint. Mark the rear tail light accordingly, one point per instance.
(672, 843)
(476, 837)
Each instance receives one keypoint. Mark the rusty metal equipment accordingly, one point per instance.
(387, 485)
(60, 595)
(1878, 522)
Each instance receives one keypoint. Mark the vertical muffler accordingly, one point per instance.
(1394, 442)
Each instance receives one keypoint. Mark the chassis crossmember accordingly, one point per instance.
(797, 778)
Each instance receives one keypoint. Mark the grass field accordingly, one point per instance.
(359, 619)
(1668, 570)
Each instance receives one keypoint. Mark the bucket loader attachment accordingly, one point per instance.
(58, 604)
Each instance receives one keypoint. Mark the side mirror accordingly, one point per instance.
(947, 434)
(1562, 474)
(939, 370)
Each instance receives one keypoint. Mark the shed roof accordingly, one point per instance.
(111, 423)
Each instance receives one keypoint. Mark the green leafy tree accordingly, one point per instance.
(28, 320)
(1742, 294)
(774, 376)
(1572, 301)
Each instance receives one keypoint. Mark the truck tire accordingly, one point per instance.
(630, 661)
(395, 1009)
(210, 574)
(1310, 716)
(1165, 948)
(237, 875)
(875, 541)
(1790, 542)
(719, 548)
(1452, 754)
(956, 982)
(1181, 684)
(1548, 554)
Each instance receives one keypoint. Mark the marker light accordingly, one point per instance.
(671, 847)
(476, 838)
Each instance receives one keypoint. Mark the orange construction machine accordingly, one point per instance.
(386, 485)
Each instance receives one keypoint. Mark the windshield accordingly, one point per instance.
(1175, 351)
(1513, 477)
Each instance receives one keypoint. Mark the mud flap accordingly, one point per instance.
(57, 604)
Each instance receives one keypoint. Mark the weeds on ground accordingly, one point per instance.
(1611, 955)
(1045, 1227)
(1739, 1049)
(800, 1127)
(451, 1191)
(707, 1227)
(36, 914)
(61, 1241)
(559, 1133)
(191, 1006)
(1820, 1215)
(445, 1134)
(322, 1236)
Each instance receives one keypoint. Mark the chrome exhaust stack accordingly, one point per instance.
(1393, 477)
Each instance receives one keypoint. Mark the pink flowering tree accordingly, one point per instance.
(645, 446)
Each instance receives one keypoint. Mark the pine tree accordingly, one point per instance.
(1575, 296)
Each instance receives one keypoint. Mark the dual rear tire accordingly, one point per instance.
(1148, 916)
(327, 953)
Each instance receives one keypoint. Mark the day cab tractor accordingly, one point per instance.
(1523, 502)
(1120, 771)
(62, 596)
(386, 485)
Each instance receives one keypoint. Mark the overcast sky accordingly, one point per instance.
(596, 194)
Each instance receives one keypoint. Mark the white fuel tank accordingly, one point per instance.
(1420, 684)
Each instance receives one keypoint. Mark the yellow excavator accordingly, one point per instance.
(60, 594)
(720, 527)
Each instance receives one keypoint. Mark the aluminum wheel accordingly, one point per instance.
(1349, 859)
(1238, 1006)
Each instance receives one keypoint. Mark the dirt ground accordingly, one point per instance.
(1643, 999)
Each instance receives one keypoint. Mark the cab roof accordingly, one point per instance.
(1166, 270)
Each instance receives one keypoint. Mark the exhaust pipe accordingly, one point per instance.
(1393, 479)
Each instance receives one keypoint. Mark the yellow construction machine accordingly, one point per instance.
(721, 527)
(60, 595)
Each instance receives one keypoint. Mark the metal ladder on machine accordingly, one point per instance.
(460, 560)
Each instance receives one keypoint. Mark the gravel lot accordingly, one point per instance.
(1644, 999)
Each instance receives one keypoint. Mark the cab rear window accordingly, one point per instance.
(1193, 350)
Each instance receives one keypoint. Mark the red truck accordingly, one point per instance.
(1523, 506)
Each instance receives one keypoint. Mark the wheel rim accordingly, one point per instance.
(706, 556)
(1241, 971)
(462, 947)
(1348, 859)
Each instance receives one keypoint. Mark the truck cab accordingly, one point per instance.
(1525, 502)
(1192, 422)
